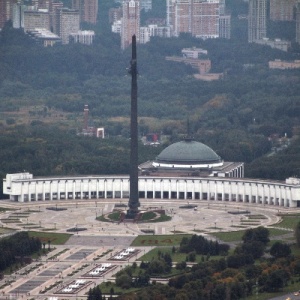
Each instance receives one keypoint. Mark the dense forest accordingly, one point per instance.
(242, 117)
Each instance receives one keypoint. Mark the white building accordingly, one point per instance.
(276, 44)
(146, 4)
(173, 175)
(116, 27)
(23, 187)
(83, 37)
(193, 52)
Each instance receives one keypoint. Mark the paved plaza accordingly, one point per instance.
(64, 277)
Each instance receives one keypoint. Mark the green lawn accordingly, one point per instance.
(106, 286)
(289, 222)
(5, 230)
(159, 240)
(55, 238)
(176, 257)
(235, 236)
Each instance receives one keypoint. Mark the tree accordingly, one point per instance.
(297, 234)
(280, 249)
(124, 281)
(276, 280)
(95, 294)
(259, 234)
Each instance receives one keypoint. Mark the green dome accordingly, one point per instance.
(188, 152)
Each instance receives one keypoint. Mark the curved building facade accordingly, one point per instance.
(23, 187)
(184, 170)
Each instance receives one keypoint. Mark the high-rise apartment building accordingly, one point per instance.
(130, 22)
(201, 18)
(114, 14)
(257, 27)
(146, 4)
(41, 4)
(298, 23)
(36, 19)
(282, 10)
(18, 15)
(54, 9)
(68, 23)
(225, 26)
(88, 10)
(6, 11)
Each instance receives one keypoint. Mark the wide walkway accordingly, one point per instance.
(96, 245)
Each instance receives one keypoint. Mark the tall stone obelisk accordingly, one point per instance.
(133, 203)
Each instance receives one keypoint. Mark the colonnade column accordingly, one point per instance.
(89, 189)
(230, 192)
(121, 188)
(74, 189)
(153, 189)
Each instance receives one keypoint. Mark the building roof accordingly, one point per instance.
(188, 151)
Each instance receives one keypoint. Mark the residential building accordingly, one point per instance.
(282, 10)
(198, 17)
(6, 11)
(41, 4)
(130, 22)
(203, 66)
(114, 14)
(224, 26)
(193, 52)
(145, 34)
(83, 37)
(257, 26)
(116, 27)
(276, 44)
(88, 10)
(68, 23)
(36, 19)
(18, 15)
(298, 23)
(54, 15)
(146, 5)
(44, 37)
(283, 65)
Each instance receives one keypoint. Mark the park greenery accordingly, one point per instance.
(15, 248)
(254, 266)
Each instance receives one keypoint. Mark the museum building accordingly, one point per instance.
(186, 170)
